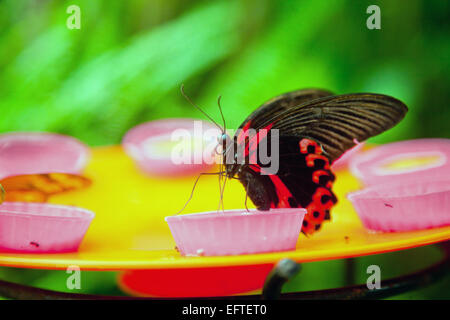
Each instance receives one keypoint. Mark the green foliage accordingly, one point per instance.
(126, 63)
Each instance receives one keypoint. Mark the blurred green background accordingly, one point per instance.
(127, 62)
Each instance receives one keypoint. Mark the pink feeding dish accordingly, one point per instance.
(39, 152)
(172, 147)
(344, 160)
(236, 232)
(42, 228)
(404, 206)
(410, 160)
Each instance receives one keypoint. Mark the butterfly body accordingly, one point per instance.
(312, 128)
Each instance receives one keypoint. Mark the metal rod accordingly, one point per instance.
(350, 269)
(285, 270)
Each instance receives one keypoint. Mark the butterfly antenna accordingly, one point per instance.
(246, 198)
(193, 188)
(221, 114)
(222, 129)
(196, 106)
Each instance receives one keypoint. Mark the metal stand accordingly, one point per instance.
(285, 270)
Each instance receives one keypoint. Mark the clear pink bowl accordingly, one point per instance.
(369, 166)
(404, 206)
(39, 152)
(141, 144)
(42, 228)
(236, 231)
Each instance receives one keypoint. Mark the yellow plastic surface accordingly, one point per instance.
(129, 231)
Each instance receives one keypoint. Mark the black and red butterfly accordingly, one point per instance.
(315, 128)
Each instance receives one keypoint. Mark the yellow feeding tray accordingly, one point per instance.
(129, 231)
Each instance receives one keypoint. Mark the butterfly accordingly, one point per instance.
(314, 128)
(39, 187)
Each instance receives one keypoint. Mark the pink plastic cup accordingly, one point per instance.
(401, 206)
(372, 167)
(153, 146)
(39, 152)
(236, 232)
(42, 228)
(344, 160)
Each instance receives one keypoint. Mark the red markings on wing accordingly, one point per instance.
(323, 198)
(251, 145)
(311, 160)
(318, 210)
(316, 213)
(282, 191)
(306, 143)
(320, 173)
(308, 227)
(253, 140)
(241, 135)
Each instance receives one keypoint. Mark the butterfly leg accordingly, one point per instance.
(221, 190)
(193, 188)
(246, 198)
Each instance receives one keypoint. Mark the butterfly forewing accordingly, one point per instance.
(282, 103)
(337, 123)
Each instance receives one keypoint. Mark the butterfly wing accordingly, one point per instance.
(282, 103)
(314, 130)
(337, 123)
(304, 180)
(38, 187)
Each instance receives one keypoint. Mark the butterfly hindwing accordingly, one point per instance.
(303, 180)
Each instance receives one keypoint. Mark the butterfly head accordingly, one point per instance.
(223, 143)
(222, 140)
(227, 148)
